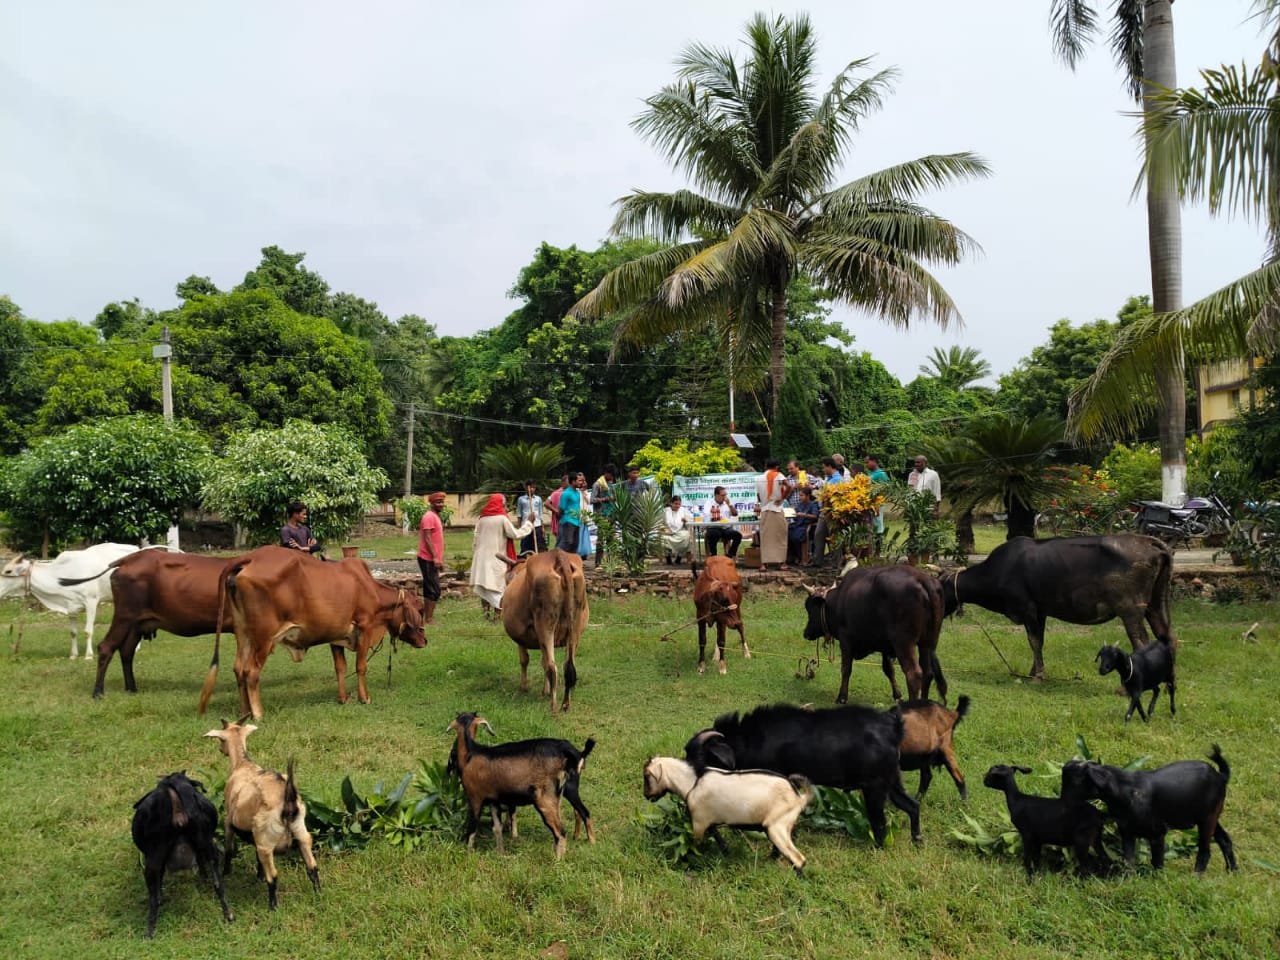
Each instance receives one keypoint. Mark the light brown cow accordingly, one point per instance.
(717, 597)
(543, 607)
(288, 597)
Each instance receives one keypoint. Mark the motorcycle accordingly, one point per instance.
(1197, 518)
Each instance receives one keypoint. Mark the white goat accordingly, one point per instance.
(24, 575)
(736, 798)
(262, 804)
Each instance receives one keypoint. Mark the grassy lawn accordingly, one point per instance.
(71, 769)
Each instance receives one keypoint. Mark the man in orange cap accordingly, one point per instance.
(431, 553)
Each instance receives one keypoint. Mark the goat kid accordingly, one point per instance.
(1049, 820)
(521, 773)
(174, 826)
(926, 741)
(746, 798)
(1148, 803)
(262, 807)
(1145, 669)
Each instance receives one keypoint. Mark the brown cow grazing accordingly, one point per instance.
(157, 590)
(543, 607)
(717, 596)
(285, 596)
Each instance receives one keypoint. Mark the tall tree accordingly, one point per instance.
(763, 151)
(1219, 143)
(1142, 41)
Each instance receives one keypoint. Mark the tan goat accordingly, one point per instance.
(263, 806)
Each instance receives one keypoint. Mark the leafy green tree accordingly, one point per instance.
(123, 479)
(16, 394)
(115, 319)
(284, 275)
(1142, 41)
(764, 150)
(195, 286)
(1002, 458)
(1134, 471)
(322, 465)
(681, 459)
(1044, 381)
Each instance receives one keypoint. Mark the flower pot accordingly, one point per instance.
(350, 552)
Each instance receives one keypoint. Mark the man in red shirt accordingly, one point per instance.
(431, 554)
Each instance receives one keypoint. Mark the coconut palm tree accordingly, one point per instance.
(1142, 42)
(1004, 458)
(763, 151)
(957, 367)
(1219, 143)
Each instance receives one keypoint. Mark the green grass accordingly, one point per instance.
(72, 767)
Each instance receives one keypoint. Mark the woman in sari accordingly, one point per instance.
(494, 535)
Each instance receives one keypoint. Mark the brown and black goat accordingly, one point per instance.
(174, 826)
(521, 773)
(926, 741)
(262, 807)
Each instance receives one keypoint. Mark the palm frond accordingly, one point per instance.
(1072, 24)
(634, 281)
(1127, 22)
(761, 235)
(906, 180)
(672, 216)
(1220, 143)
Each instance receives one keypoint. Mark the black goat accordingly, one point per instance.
(851, 748)
(1049, 820)
(1146, 669)
(174, 826)
(1148, 803)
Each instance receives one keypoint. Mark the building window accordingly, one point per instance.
(1235, 399)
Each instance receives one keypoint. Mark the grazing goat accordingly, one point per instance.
(850, 748)
(926, 741)
(1049, 820)
(1146, 669)
(174, 826)
(745, 798)
(1148, 803)
(262, 806)
(521, 773)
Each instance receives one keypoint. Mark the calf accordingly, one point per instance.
(850, 748)
(174, 826)
(926, 741)
(749, 798)
(717, 596)
(1145, 669)
(1148, 803)
(1048, 820)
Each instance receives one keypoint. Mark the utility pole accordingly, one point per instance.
(408, 456)
(163, 351)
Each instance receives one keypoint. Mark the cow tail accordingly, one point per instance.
(1160, 596)
(211, 679)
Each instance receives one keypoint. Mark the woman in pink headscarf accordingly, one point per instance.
(495, 536)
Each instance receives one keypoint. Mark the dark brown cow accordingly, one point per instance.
(543, 607)
(285, 596)
(717, 597)
(894, 611)
(157, 590)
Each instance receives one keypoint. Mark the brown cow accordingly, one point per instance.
(543, 607)
(156, 590)
(717, 596)
(285, 596)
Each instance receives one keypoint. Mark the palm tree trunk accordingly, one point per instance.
(1164, 236)
(777, 355)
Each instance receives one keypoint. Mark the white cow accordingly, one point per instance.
(22, 575)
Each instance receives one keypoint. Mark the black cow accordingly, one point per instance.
(1086, 580)
(893, 611)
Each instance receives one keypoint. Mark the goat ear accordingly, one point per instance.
(1023, 769)
(248, 728)
(722, 754)
(217, 734)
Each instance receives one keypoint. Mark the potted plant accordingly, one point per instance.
(850, 508)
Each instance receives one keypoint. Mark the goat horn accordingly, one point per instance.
(485, 723)
(241, 721)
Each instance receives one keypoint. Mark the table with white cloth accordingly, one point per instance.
(699, 528)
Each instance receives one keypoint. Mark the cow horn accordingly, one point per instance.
(813, 591)
(507, 560)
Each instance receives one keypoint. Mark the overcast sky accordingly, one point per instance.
(419, 152)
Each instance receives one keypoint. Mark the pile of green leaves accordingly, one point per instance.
(429, 802)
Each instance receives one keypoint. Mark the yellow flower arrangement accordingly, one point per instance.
(850, 502)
